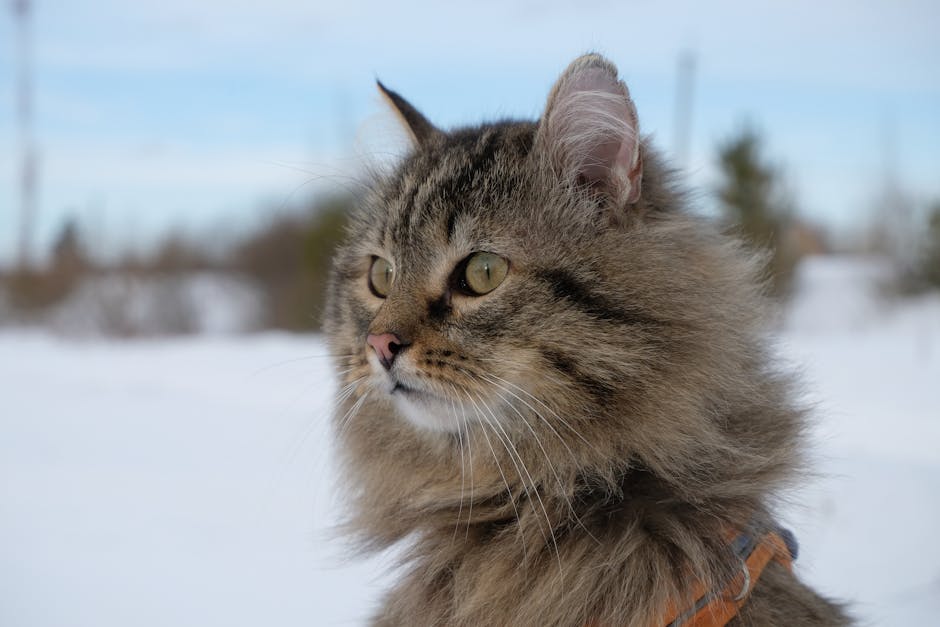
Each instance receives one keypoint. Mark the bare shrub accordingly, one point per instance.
(289, 259)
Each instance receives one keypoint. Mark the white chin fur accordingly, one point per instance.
(429, 413)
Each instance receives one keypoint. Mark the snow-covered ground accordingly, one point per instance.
(187, 482)
(872, 367)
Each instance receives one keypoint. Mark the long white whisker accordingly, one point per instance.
(561, 486)
(494, 380)
(544, 452)
(347, 418)
(294, 360)
(463, 412)
(463, 471)
(511, 449)
(347, 390)
(344, 393)
(540, 402)
(507, 444)
(499, 467)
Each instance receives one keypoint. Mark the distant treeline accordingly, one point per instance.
(286, 261)
(289, 259)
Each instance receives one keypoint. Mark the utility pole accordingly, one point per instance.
(22, 10)
(683, 120)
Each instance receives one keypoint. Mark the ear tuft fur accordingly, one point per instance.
(590, 130)
(418, 126)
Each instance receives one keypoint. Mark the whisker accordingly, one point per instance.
(348, 391)
(285, 362)
(340, 373)
(511, 449)
(551, 466)
(540, 402)
(463, 411)
(490, 378)
(335, 179)
(298, 445)
(347, 418)
(316, 176)
(512, 498)
(463, 472)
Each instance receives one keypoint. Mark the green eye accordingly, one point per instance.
(381, 275)
(483, 273)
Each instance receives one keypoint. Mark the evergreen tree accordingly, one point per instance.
(753, 204)
(930, 259)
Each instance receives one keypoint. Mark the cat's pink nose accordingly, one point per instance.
(386, 346)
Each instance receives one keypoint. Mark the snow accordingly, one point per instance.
(179, 482)
(188, 481)
(867, 526)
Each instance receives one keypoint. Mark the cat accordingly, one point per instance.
(556, 396)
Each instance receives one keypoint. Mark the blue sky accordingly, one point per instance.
(208, 115)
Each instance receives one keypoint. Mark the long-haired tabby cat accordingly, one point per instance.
(556, 395)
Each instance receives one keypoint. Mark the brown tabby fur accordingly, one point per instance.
(623, 408)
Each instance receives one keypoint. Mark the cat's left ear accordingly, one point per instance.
(590, 132)
(420, 129)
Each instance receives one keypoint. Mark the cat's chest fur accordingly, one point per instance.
(555, 393)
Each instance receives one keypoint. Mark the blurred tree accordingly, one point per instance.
(32, 289)
(931, 257)
(290, 261)
(752, 201)
(923, 272)
(68, 251)
(177, 255)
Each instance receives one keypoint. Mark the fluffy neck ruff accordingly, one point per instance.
(501, 528)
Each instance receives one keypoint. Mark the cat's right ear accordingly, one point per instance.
(420, 129)
(590, 133)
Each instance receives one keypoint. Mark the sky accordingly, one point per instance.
(209, 116)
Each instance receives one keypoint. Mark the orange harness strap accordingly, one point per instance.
(717, 608)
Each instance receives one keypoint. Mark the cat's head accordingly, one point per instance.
(531, 276)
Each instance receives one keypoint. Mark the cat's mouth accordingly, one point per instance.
(407, 390)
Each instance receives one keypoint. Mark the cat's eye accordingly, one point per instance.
(482, 273)
(381, 275)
